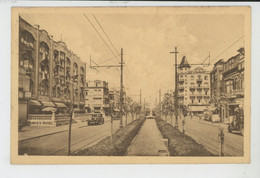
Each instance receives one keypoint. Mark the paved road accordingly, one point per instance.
(57, 144)
(148, 141)
(207, 135)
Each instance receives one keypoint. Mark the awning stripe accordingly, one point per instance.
(60, 105)
(34, 103)
(47, 104)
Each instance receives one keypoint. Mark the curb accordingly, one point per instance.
(203, 122)
(26, 139)
(43, 135)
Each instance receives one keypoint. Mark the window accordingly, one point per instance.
(206, 77)
(43, 88)
(229, 86)
(43, 51)
(199, 101)
(27, 39)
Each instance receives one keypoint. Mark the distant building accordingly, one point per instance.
(114, 99)
(46, 70)
(193, 87)
(233, 76)
(97, 97)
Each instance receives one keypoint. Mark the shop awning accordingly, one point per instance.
(60, 105)
(47, 104)
(34, 103)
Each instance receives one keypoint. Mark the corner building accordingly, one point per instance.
(49, 73)
(193, 87)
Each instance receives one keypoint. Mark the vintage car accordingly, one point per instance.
(236, 123)
(96, 119)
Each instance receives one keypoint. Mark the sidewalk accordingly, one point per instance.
(29, 132)
(148, 142)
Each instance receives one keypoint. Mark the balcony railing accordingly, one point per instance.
(199, 80)
(181, 80)
(180, 87)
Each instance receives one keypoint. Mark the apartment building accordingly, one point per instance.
(193, 87)
(50, 75)
(97, 97)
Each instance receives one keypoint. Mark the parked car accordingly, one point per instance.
(215, 118)
(236, 123)
(96, 119)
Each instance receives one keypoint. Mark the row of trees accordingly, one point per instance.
(129, 107)
(168, 108)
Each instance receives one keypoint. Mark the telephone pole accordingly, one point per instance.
(121, 91)
(140, 98)
(121, 82)
(160, 104)
(176, 90)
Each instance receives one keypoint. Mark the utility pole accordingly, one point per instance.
(71, 113)
(176, 90)
(121, 91)
(121, 82)
(160, 104)
(140, 98)
(144, 103)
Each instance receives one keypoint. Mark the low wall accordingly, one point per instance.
(48, 119)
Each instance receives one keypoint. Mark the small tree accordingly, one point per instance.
(168, 105)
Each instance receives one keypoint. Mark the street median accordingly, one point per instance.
(122, 139)
(180, 144)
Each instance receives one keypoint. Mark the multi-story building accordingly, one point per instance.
(49, 73)
(193, 87)
(233, 76)
(216, 79)
(114, 99)
(97, 97)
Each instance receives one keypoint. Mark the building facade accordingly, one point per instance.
(233, 76)
(49, 73)
(114, 99)
(97, 97)
(216, 79)
(193, 87)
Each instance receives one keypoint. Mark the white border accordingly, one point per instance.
(210, 170)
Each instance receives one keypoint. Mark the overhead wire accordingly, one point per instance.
(228, 47)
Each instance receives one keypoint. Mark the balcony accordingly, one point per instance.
(180, 95)
(181, 80)
(205, 87)
(181, 87)
(199, 80)
(199, 89)
(235, 93)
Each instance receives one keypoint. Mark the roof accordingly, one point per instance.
(184, 62)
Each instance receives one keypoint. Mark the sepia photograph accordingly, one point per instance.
(130, 85)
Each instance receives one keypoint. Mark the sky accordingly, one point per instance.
(147, 40)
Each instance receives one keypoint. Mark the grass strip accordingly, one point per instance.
(121, 141)
(179, 143)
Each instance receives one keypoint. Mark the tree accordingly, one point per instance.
(168, 105)
(127, 106)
